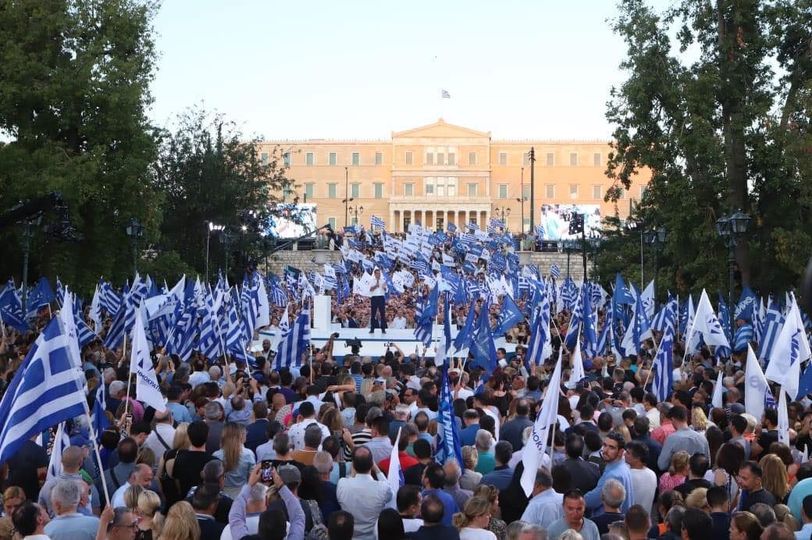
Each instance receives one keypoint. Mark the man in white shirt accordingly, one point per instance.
(362, 495)
(141, 475)
(161, 438)
(652, 413)
(307, 415)
(644, 480)
(377, 298)
(545, 506)
(399, 323)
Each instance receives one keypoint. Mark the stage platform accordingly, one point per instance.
(374, 345)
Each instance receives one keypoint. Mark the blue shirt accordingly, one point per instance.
(449, 505)
(468, 435)
(72, 527)
(619, 471)
(179, 413)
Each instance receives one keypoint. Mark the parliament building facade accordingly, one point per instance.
(443, 173)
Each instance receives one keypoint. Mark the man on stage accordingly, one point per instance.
(377, 292)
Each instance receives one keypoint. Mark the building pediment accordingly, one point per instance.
(441, 129)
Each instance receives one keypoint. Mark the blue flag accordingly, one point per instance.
(509, 316)
(482, 346)
(464, 335)
(448, 438)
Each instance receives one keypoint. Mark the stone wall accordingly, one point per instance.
(313, 260)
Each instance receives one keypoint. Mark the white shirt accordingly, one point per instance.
(251, 523)
(544, 508)
(198, 377)
(398, 323)
(653, 416)
(118, 496)
(265, 451)
(469, 533)
(297, 431)
(644, 485)
(167, 433)
(378, 287)
(410, 525)
(364, 498)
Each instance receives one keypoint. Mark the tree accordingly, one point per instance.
(74, 78)
(208, 171)
(718, 132)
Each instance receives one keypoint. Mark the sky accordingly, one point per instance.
(360, 69)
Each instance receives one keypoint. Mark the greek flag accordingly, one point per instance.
(183, 339)
(771, 328)
(11, 308)
(540, 347)
(424, 316)
(295, 342)
(376, 222)
(209, 344)
(115, 333)
(109, 300)
(664, 366)
(666, 317)
(539, 231)
(97, 417)
(555, 271)
(448, 444)
(744, 335)
(45, 390)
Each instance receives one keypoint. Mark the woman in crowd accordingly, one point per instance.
(677, 473)
(149, 519)
(491, 494)
(470, 477)
(237, 459)
(181, 523)
(745, 526)
(775, 478)
(473, 521)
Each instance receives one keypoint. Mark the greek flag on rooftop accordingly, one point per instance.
(44, 392)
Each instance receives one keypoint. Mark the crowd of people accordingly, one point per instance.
(264, 453)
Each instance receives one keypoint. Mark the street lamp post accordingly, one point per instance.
(532, 189)
(356, 210)
(211, 228)
(632, 225)
(225, 239)
(502, 213)
(28, 234)
(569, 246)
(595, 243)
(522, 199)
(731, 228)
(657, 238)
(135, 231)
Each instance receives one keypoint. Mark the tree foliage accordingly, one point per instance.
(716, 109)
(209, 171)
(74, 78)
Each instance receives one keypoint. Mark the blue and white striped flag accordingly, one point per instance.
(424, 316)
(97, 417)
(664, 366)
(448, 443)
(376, 222)
(555, 271)
(744, 335)
(771, 328)
(61, 442)
(539, 230)
(295, 342)
(46, 390)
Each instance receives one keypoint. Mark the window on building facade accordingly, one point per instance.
(356, 158)
(550, 191)
(287, 193)
(429, 158)
(332, 189)
(355, 190)
(503, 191)
(596, 159)
(440, 158)
(502, 158)
(378, 158)
(378, 190)
(550, 159)
(309, 187)
(429, 185)
(573, 159)
(526, 192)
(439, 222)
(573, 191)
(473, 190)
(451, 187)
(471, 158)
(452, 158)
(286, 159)
(263, 157)
(332, 222)
(310, 159)
(597, 192)
(333, 158)
(440, 186)
(407, 158)
(408, 190)
(526, 159)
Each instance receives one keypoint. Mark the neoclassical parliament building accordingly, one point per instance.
(441, 173)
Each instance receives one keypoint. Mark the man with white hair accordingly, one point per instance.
(163, 434)
(452, 483)
(612, 495)
(216, 375)
(255, 506)
(68, 523)
(141, 475)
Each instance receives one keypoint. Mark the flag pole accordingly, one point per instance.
(95, 440)
(129, 374)
(652, 364)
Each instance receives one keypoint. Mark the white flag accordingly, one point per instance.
(706, 323)
(783, 418)
(146, 382)
(790, 349)
(535, 447)
(716, 400)
(647, 297)
(755, 387)
(264, 309)
(61, 442)
(577, 364)
(393, 475)
(95, 311)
